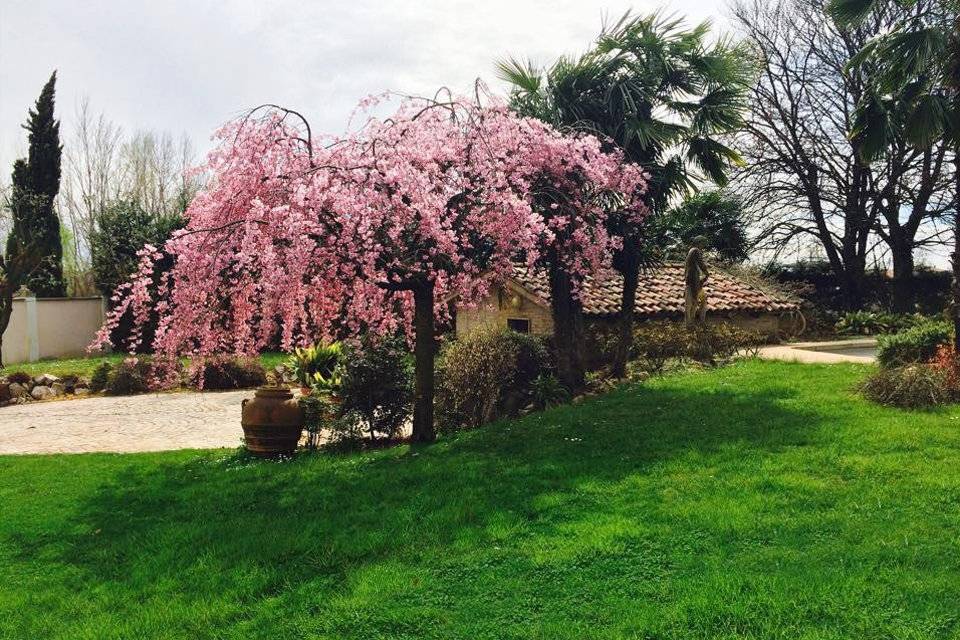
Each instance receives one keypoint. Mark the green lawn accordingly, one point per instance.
(62, 366)
(85, 366)
(763, 500)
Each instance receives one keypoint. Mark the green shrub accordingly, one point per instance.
(130, 376)
(20, 377)
(228, 372)
(872, 323)
(911, 387)
(377, 387)
(655, 343)
(139, 374)
(915, 345)
(100, 376)
(486, 375)
(122, 228)
(547, 391)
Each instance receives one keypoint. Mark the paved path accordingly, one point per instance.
(861, 350)
(189, 420)
(152, 422)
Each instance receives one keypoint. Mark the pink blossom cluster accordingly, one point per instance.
(298, 239)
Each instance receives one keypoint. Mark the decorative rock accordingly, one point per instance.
(41, 392)
(5, 394)
(45, 379)
(81, 391)
(58, 388)
(18, 390)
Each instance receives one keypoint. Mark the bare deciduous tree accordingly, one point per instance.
(92, 174)
(802, 178)
(155, 168)
(102, 165)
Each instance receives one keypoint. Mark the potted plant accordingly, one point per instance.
(307, 362)
(272, 421)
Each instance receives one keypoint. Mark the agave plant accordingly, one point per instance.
(307, 363)
(328, 383)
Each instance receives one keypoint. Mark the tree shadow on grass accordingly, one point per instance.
(248, 530)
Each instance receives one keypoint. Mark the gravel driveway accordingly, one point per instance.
(152, 422)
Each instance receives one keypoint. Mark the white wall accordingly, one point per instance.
(50, 328)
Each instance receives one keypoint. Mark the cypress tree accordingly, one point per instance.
(34, 253)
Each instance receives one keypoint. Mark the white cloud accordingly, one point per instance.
(182, 65)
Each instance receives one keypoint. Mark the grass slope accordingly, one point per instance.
(763, 500)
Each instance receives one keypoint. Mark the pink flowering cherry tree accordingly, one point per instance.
(577, 188)
(302, 238)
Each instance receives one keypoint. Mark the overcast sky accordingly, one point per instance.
(188, 66)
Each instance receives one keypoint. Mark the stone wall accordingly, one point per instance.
(51, 328)
(503, 304)
(508, 303)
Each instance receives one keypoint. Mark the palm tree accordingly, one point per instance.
(661, 92)
(915, 93)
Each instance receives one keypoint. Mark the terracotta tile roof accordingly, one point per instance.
(660, 292)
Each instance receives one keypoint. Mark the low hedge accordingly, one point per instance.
(916, 345)
(654, 343)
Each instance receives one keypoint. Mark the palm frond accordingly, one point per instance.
(872, 128)
(522, 75)
(907, 54)
(850, 12)
(712, 157)
(928, 120)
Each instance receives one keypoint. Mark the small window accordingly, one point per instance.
(520, 325)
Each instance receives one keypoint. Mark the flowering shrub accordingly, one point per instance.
(947, 361)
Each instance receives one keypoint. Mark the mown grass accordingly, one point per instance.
(84, 366)
(763, 500)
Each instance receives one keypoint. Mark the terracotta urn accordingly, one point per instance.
(272, 422)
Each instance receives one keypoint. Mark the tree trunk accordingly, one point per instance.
(6, 301)
(630, 270)
(424, 353)
(852, 280)
(955, 256)
(567, 328)
(903, 284)
(6, 310)
(953, 75)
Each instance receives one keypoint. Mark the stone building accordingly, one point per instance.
(522, 302)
